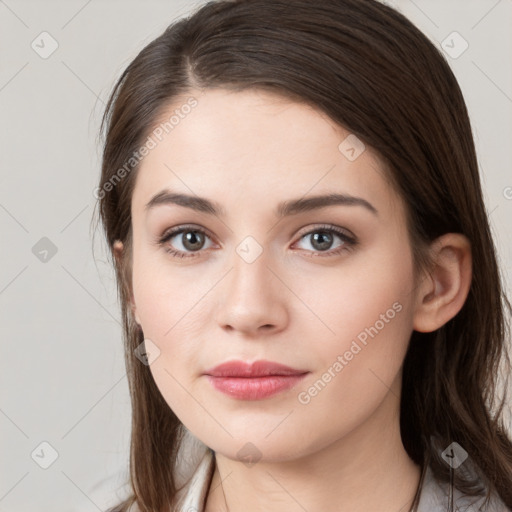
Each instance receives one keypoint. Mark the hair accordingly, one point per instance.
(373, 72)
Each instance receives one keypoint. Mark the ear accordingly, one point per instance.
(118, 249)
(442, 292)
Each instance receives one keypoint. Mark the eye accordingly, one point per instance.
(189, 241)
(322, 239)
(184, 241)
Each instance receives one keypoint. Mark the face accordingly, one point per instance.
(252, 267)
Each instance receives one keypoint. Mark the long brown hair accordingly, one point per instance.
(373, 72)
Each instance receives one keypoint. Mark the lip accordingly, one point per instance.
(256, 381)
(260, 368)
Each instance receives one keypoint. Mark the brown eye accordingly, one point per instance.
(323, 240)
(192, 240)
(184, 241)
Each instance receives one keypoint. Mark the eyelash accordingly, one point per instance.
(349, 242)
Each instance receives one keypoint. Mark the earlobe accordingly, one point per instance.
(134, 312)
(443, 292)
(118, 249)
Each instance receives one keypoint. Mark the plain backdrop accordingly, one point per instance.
(64, 399)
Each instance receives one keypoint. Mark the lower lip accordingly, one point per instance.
(255, 388)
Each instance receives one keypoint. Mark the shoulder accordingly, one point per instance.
(436, 497)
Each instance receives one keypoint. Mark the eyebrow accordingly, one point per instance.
(284, 209)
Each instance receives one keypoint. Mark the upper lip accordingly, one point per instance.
(255, 369)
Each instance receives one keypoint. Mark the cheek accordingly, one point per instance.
(369, 314)
(168, 310)
(172, 305)
(166, 297)
(369, 290)
(358, 369)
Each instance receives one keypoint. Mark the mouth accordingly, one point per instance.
(256, 381)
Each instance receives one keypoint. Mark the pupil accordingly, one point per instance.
(322, 240)
(193, 240)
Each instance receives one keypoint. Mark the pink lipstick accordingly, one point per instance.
(256, 381)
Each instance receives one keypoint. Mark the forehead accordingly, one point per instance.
(254, 148)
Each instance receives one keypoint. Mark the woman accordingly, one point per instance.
(313, 312)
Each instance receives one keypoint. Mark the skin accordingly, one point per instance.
(248, 151)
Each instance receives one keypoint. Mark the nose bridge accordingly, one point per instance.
(251, 298)
(250, 276)
(250, 280)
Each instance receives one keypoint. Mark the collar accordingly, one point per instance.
(434, 495)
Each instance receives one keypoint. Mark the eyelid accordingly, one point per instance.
(169, 233)
(327, 227)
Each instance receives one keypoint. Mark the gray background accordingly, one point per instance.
(62, 370)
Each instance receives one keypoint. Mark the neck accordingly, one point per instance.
(366, 470)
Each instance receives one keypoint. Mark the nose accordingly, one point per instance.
(252, 300)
